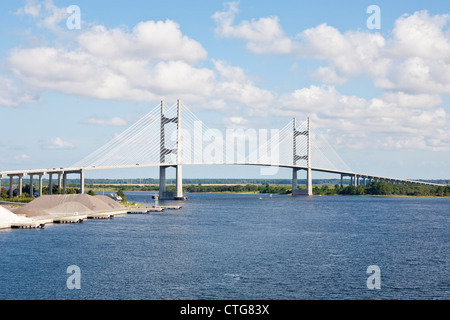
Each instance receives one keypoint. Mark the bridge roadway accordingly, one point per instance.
(355, 178)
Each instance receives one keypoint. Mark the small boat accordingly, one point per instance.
(115, 197)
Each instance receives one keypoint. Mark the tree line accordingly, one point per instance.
(384, 188)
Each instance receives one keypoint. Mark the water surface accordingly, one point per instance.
(238, 246)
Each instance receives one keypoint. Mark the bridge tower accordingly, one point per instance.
(163, 194)
(307, 157)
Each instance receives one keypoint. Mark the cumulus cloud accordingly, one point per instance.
(411, 66)
(264, 35)
(415, 58)
(392, 120)
(153, 60)
(148, 40)
(57, 143)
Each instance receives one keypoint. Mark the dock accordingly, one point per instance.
(169, 207)
(145, 210)
(28, 225)
(104, 216)
(72, 219)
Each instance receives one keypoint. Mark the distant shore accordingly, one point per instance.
(379, 188)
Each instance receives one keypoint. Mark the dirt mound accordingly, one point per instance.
(111, 202)
(67, 204)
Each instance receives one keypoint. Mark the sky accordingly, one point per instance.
(376, 84)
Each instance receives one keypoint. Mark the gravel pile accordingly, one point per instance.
(51, 206)
(7, 218)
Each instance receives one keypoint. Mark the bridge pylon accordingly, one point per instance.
(307, 157)
(163, 193)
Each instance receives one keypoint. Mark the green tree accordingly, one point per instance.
(122, 195)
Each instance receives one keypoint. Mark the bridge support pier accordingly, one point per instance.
(19, 189)
(163, 193)
(179, 186)
(307, 157)
(39, 174)
(50, 185)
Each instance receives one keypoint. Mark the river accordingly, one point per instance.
(239, 246)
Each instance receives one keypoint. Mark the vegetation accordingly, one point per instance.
(384, 188)
(248, 188)
(122, 195)
(374, 188)
(25, 197)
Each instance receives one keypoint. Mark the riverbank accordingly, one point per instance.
(379, 188)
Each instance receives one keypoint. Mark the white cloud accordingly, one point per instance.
(153, 61)
(415, 59)
(22, 157)
(31, 8)
(264, 35)
(148, 40)
(57, 143)
(393, 120)
(114, 122)
(13, 95)
(47, 14)
(421, 35)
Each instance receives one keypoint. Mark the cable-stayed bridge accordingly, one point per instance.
(172, 136)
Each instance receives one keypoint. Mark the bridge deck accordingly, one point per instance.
(342, 173)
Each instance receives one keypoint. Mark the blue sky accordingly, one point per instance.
(380, 96)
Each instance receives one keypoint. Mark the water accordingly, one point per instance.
(238, 246)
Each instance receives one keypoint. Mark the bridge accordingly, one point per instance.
(171, 137)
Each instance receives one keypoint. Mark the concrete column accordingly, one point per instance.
(10, 186)
(59, 182)
(50, 185)
(294, 158)
(162, 181)
(179, 182)
(294, 181)
(342, 180)
(65, 181)
(356, 180)
(31, 185)
(81, 181)
(162, 138)
(294, 142)
(179, 174)
(19, 192)
(309, 176)
(162, 157)
(40, 184)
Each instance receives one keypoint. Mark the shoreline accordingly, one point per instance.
(287, 194)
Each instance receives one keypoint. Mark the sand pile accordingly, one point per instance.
(7, 218)
(51, 206)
